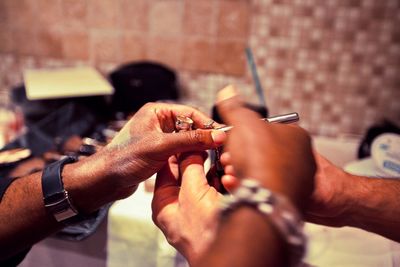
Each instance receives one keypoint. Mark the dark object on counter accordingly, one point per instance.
(15, 260)
(51, 131)
(138, 83)
(262, 110)
(386, 126)
(49, 134)
(36, 110)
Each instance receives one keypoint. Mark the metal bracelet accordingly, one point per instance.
(277, 208)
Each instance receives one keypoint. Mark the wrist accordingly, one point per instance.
(247, 226)
(276, 208)
(297, 197)
(95, 181)
(87, 184)
(358, 201)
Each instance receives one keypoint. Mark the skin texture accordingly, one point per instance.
(342, 199)
(141, 149)
(178, 197)
(278, 156)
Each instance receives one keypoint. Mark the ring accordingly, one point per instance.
(183, 123)
(209, 124)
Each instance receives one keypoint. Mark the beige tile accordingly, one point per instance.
(105, 46)
(234, 19)
(133, 47)
(76, 45)
(199, 55)
(49, 44)
(167, 50)
(166, 18)
(6, 38)
(4, 12)
(22, 13)
(134, 15)
(230, 58)
(48, 13)
(103, 14)
(75, 13)
(200, 18)
(24, 42)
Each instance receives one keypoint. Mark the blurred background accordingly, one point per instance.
(336, 62)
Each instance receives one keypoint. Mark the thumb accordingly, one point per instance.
(196, 140)
(232, 108)
(192, 170)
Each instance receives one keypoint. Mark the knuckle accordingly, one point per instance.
(197, 137)
(149, 105)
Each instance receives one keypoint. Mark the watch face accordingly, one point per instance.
(13, 155)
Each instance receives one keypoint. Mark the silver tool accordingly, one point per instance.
(284, 118)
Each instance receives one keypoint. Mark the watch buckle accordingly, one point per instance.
(61, 208)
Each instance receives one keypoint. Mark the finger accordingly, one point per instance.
(168, 113)
(230, 182)
(229, 169)
(166, 190)
(192, 170)
(226, 158)
(168, 175)
(198, 117)
(196, 140)
(232, 109)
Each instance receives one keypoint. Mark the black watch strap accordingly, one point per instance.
(56, 199)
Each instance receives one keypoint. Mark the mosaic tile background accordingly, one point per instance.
(336, 62)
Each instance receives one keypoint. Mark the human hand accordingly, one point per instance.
(145, 143)
(186, 210)
(139, 150)
(327, 204)
(278, 156)
(329, 201)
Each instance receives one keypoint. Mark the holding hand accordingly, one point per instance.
(278, 156)
(140, 149)
(186, 210)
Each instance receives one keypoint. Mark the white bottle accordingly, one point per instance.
(385, 152)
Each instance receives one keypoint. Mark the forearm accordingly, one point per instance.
(23, 218)
(373, 205)
(245, 238)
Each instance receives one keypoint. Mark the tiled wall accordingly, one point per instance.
(336, 62)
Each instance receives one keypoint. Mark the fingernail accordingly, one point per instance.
(226, 93)
(218, 137)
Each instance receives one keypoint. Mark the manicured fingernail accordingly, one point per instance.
(226, 93)
(218, 137)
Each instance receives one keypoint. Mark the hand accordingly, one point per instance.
(328, 202)
(139, 150)
(186, 213)
(145, 143)
(278, 156)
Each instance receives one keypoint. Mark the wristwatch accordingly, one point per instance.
(56, 198)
